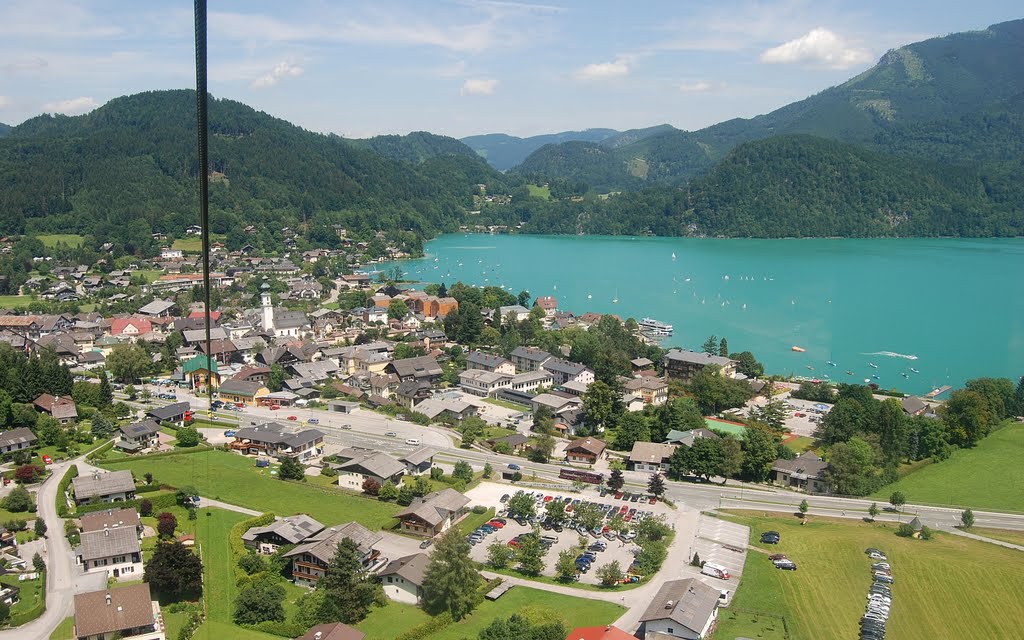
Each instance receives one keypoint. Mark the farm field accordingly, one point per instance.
(989, 476)
(1006, 535)
(537, 191)
(194, 244)
(51, 240)
(234, 479)
(948, 587)
(15, 302)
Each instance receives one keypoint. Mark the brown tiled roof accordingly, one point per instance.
(108, 543)
(332, 630)
(127, 608)
(109, 519)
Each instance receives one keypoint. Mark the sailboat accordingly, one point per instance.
(615, 300)
(673, 255)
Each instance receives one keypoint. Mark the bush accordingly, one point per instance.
(166, 524)
(62, 488)
(29, 473)
(905, 530)
(479, 509)
(252, 563)
(428, 628)
(436, 473)
(19, 500)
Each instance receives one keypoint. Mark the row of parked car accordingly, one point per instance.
(879, 605)
(608, 512)
(487, 528)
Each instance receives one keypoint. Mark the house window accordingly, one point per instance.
(671, 630)
(389, 580)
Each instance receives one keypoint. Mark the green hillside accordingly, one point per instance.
(503, 151)
(127, 170)
(416, 147)
(4, 129)
(918, 96)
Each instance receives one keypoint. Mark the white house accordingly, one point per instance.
(682, 609)
(115, 551)
(403, 578)
(483, 383)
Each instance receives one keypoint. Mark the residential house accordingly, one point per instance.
(650, 456)
(284, 531)
(682, 609)
(16, 440)
(439, 408)
(130, 328)
(112, 486)
(516, 442)
(362, 465)
(174, 413)
(531, 380)
(274, 440)
(126, 613)
(479, 382)
(556, 402)
(653, 391)
(419, 461)
(603, 632)
(200, 371)
(411, 392)
(548, 303)
(488, 362)
(370, 362)
(63, 410)
(159, 308)
(517, 312)
(683, 365)
(641, 364)
(806, 472)
(245, 392)
(423, 368)
(687, 438)
(585, 450)
(26, 326)
(402, 578)
(434, 513)
(311, 558)
(914, 406)
(563, 371)
(332, 631)
(115, 551)
(139, 436)
(112, 519)
(253, 374)
(529, 358)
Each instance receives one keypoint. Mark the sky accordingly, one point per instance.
(465, 67)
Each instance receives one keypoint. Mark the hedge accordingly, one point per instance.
(148, 488)
(428, 628)
(37, 609)
(165, 501)
(99, 451)
(202, 446)
(62, 487)
(195, 618)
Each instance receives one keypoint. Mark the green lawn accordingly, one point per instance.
(1006, 535)
(949, 587)
(989, 476)
(64, 630)
(508, 405)
(31, 593)
(149, 275)
(800, 444)
(740, 623)
(235, 479)
(388, 622)
(50, 241)
(15, 302)
(539, 192)
(194, 244)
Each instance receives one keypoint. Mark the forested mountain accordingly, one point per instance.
(503, 151)
(128, 169)
(4, 129)
(935, 93)
(416, 147)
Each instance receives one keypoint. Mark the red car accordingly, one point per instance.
(777, 556)
(293, 417)
(624, 509)
(654, 500)
(547, 498)
(274, 407)
(47, 460)
(496, 524)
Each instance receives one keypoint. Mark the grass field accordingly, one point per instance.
(949, 587)
(51, 240)
(149, 275)
(1006, 535)
(194, 244)
(15, 302)
(65, 630)
(800, 444)
(989, 476)
(234, 479)
(388, 622)
(508, 405)
(539, 192)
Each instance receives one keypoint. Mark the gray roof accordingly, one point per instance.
(294, 529)
(274, 433)
(16, 436)
(807, 464)
(687, 437)
(433, 407)
(913, 404)
(169, 411)
(332, 631)
(103, 484)
(105, 543)
(418, 367)
(419, 456)
(324, 545)
(530, 353)
(156, 307)
(412, 568)
(199, 335)
(110, 519)
(246, 388)
(651, 452)
(138, 429)
(564, 366)
(688, 602)
(376, 463)
(485, 360)
(434, 507)
(697, 357)
(284, 319)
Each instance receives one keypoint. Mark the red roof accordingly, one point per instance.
(118, 325)
(599, 633)
(201, 315)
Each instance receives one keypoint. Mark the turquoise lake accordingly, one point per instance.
(951, 308)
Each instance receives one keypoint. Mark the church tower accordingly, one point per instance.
(268, 313)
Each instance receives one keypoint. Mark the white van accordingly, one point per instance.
(412, 441)
(715, 571)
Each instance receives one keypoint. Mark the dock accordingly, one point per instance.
(499, 590)
(934, 393)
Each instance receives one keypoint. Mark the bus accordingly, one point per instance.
(582, 476)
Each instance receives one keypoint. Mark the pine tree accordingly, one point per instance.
(450, 580)
(348, 589)
(710, 345)
(656, 485)
(615, 480)
(723, 348)
(106, 391)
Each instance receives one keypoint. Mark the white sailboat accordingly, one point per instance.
(673, 255)
(615, 300)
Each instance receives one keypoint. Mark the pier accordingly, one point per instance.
(934, 393)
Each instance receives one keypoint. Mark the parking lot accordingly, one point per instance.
(723, 543)
(804, 424)
(489, 494)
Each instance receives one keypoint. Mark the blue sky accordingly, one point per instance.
(462, 67)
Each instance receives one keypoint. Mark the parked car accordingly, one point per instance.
(229, 434)
(293, 418)
(426, 543)
(787, 565)
(313, 421)
(346, 426)
(275, 407)
(777, 556)
(392, 434)
(513, 466)
(715, 571)
(770, 537)
(412, 441)
(47, 459)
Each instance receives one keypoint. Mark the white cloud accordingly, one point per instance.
(604, 70)
(71, 107)
(479, 87)
(695, 87)
(818, 47)
(280, 71)
(24, 66)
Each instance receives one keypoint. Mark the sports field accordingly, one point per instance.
(989, 476)
(948, 587)
(51, 240)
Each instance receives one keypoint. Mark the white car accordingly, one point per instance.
(412, 441)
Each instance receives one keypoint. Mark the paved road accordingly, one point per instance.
(63, 579)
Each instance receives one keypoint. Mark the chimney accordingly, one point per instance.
(106, 531)
(318, 635)
(108, 598)
(668, 605)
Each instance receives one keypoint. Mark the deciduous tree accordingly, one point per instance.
(174, 571)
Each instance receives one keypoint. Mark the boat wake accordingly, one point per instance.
(891, 354)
